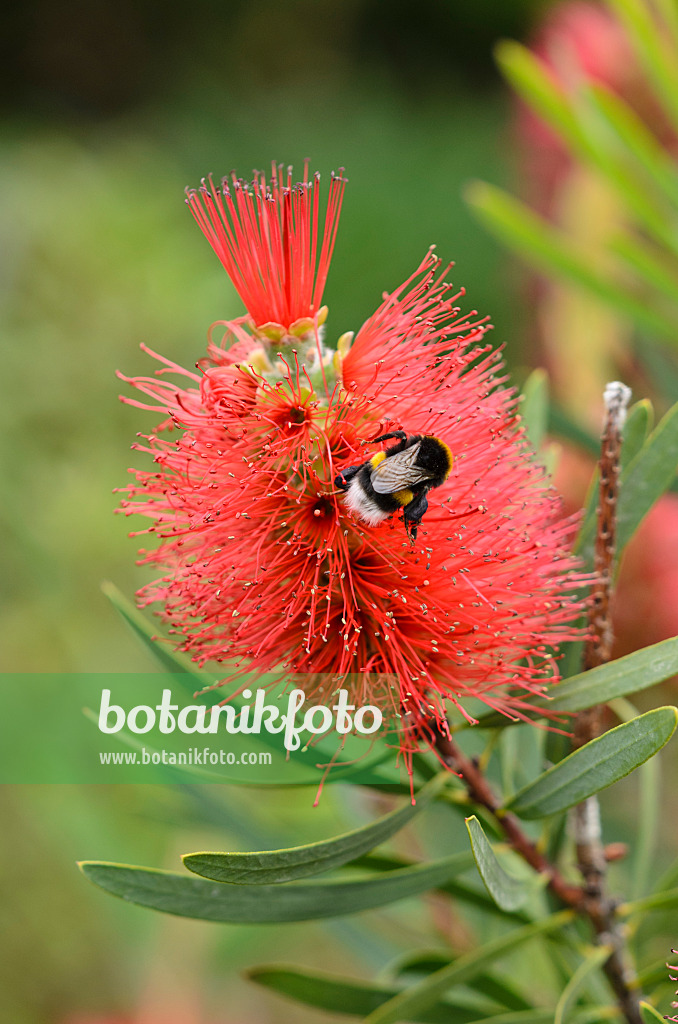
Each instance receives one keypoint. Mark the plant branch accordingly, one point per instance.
(599, 906)
(591, 899)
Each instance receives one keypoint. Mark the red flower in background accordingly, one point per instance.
(581, 44)
(261, 561)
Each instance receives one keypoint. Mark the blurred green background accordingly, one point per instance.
(109, 110)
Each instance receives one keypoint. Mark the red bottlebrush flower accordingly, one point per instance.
(266, 235)
(263, 564)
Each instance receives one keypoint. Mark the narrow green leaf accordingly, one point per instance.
(630, 674)
(649, 1014)
(459, 889)
(652, 976)
(596, 766)
(668, 879)
(188, 896)
(169, 659)
(654, 267)
(551, 250)
(534, 408)
(426, 961)
(272, 866)
(667, 900)
(648, 39)
(647, 818)
(507, 891)
(583, 125)
(648, 476)
(636, 430)
(639, 142)
(644, 479)
(532, 80)
(595, 959)
(659, 365)
(635, 433)
(357, 998)
(409, 1004)
(341, 995)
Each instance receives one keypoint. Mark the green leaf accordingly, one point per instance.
(426, 961)
(649, 1014)
(659, 365)
(583, 125)
(465, 892)
(188, 896)
(659, 62)
(639, 142)
(648, 476)
(636, 430)
(408, 1005)
(507, 891)
(551, 250)
(647, 819)
(595, 959)
(272, 866)
(341, 995)
(596, 766)
(644, 479)
(534, 408)
(667, 900)
(630, 674)
(169, 659)
(652, 265)
(530, 78)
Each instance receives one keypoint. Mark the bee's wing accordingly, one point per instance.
(396, 472)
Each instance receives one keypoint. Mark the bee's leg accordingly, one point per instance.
(344, 478)
(414, 513)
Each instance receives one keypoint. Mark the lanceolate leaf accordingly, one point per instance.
(507, 891)
(595, 766)
(640, 144)
(649, 1014)
(648, 38)
(409, 1004)
(644, 479)
(648, 476)
(271, 866)
(169, 659)
(460, 889)
(593, 961)
(188, 896)
(551, 250)
(630, 674)
(357, 998)
(426, 961)
(636, 430)
(667, 900)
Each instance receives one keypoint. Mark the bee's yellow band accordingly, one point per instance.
(403, 497)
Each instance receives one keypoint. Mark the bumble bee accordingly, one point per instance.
(399, 477)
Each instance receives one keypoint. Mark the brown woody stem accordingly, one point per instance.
(590, 900)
